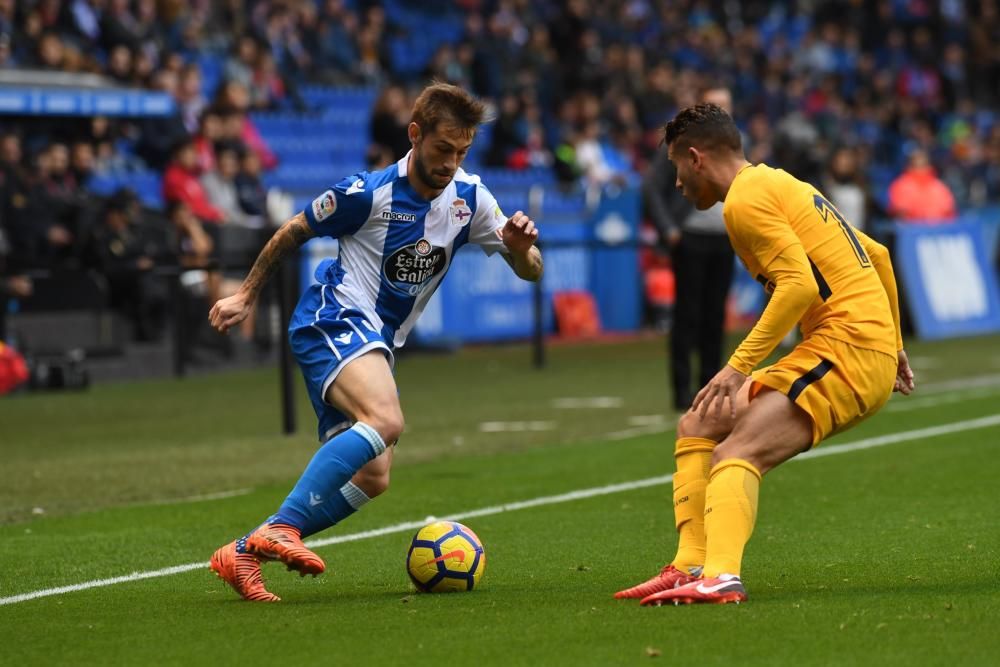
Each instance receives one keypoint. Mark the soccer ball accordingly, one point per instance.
(445, 556)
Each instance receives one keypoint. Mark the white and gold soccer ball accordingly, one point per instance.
(445, 556)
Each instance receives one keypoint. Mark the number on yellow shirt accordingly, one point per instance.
(826, 209)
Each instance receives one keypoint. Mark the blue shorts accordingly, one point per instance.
(325, 337)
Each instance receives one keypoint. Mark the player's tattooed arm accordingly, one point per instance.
(286, 240)
(232, 310)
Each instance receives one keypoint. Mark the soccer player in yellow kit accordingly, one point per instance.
(838, 284)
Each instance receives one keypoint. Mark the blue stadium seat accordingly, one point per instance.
(148, 185)
(212, 66)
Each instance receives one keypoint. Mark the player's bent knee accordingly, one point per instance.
(691, 425)
(389, 425)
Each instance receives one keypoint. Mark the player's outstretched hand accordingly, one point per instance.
(904, 375)
(229, 312)
(725, 384)
(519, 234)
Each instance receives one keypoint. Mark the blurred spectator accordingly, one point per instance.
(220, 186)
(123, 252)
(54, 207)
(918, 195)
(843, 185)
(233, 100)
(192, 243)
(15, 196)
(505, 139)
(336, 34)
(12, 285)
(240, 63)
(189, 96)
(119, 26)
(120, 64)
(51, 53)
(83, 161)
(269, 87)
(596, 160)
(195, 248)
(250, 189)
(180, 183)
(209, 134)
(159, 134)
(390, 120)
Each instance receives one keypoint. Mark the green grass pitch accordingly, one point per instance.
(885, 555)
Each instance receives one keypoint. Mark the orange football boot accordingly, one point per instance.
(278, 541)
(242, 572)
(668, 578)
(716, 590)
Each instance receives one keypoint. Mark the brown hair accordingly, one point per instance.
(705, 126)
(444, 103)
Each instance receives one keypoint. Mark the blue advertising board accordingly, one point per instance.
(950, 282)
(26, 100)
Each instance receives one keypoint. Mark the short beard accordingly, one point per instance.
(422, 173)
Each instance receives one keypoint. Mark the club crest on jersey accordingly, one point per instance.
(324, 206)
(409, 269)
(460, 213)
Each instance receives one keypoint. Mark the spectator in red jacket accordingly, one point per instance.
(918, 195)
(180, 183)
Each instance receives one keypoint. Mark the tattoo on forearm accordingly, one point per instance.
(289, 237)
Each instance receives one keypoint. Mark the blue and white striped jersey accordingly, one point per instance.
(395, 246)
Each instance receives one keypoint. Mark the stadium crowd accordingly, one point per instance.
(848, 94)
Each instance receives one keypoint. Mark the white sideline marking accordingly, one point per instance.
(580, 494)
(588, 402)
(516, 427)
(647, 420)
(651, 429)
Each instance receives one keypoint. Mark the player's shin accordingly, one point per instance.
(730, 513)
(694, 461)
(319, 499)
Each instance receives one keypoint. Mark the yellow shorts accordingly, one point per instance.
(837, 384)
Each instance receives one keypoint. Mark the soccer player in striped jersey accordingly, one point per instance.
(822, 273)
(398, 231)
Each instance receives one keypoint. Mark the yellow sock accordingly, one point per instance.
(730, 513)
(694, 460)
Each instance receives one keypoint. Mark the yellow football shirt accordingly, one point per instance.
(775, 221)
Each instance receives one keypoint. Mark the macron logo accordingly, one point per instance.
(315, 499)
(358, 186)
(345, 338)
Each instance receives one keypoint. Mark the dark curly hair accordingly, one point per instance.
(704, 126)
